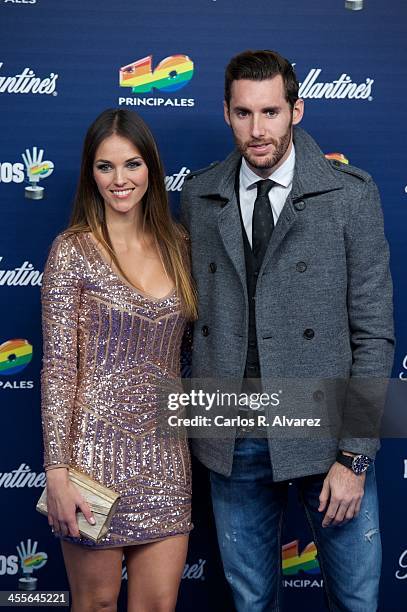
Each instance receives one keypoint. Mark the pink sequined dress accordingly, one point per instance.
(106, 345)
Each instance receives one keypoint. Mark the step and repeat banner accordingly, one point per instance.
(61, 64)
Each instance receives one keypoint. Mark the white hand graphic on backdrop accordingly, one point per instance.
(37, 169)
(29, 558)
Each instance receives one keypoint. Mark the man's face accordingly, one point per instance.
(261, 120)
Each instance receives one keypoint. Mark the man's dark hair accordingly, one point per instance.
(258, 66)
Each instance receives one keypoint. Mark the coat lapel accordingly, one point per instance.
(230, 230)
(313, 175)
(220, 189)
(286, 220)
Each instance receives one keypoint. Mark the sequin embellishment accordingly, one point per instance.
(105, 347)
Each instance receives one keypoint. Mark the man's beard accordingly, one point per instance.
(265, 163)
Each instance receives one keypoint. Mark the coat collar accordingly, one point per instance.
(312, 174)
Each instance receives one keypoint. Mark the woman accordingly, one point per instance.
(116, 296)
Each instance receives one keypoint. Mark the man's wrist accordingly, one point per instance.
(358, 464)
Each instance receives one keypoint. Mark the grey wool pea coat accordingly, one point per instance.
(323, 298)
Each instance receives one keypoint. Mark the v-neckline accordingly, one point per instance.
(138, 291)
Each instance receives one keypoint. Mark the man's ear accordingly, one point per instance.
(298, 111)
(226, 112)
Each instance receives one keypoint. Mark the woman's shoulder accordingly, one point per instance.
(69, 240)
(68, 246)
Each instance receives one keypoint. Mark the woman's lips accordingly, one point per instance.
(121, 193)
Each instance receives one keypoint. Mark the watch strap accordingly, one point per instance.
(344, 460)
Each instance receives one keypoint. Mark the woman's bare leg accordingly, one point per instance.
(94, 577)
(154, 573)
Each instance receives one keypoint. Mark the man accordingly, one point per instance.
(291, 266)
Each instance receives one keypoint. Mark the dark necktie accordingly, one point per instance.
(263, 223)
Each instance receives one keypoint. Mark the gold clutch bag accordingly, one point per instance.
(102, 501)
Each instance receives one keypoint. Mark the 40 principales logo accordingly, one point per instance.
(20, 1)
(27, 82)
(300, 569)
(15, 355)
(170, 75)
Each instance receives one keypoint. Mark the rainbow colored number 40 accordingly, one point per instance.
(170, 74)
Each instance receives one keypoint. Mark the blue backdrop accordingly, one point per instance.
(60, 65)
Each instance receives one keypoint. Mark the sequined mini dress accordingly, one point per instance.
(106, 346)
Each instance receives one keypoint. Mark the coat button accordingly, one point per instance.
(301, 266)
(299, 205)
(205, 330)
(318, 395)
(309, 334)
(252, 343)
(212, 267)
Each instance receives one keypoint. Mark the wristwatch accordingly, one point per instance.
(357, 464)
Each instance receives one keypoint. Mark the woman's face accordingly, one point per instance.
(120, 173)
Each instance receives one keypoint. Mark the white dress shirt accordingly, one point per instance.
(283, 176)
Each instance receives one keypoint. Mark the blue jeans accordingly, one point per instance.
(249, 508)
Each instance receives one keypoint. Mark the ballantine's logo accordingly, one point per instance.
(403, 373)
(401, 573)
(22, 477)
(192, 571)
(172, 73)
(15, 355)
(293, 561)
(175, 181)
(26, 82)
(341, 88)
(24, 275)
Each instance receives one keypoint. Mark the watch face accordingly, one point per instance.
(360, 464)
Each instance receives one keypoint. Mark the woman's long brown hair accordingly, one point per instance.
(89, 210)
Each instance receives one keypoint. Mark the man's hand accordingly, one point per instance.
(344, 491)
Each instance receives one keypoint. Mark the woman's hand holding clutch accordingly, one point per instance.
(63, 500)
